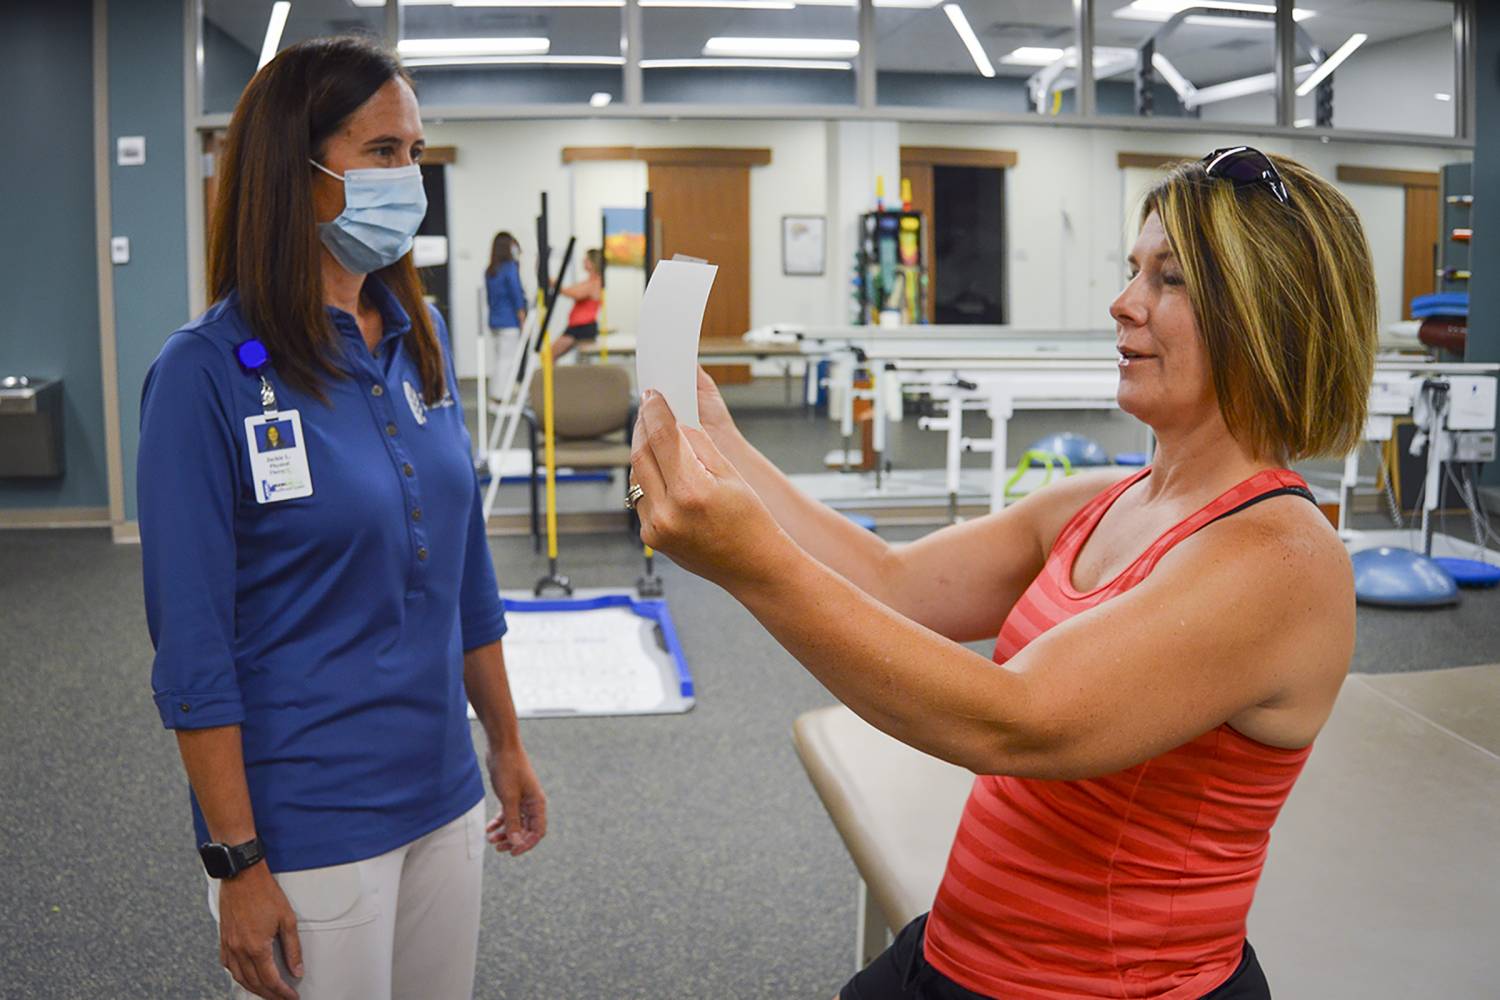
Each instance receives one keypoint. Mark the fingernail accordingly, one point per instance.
(648, 394)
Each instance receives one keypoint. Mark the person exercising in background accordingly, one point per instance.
(587, 296)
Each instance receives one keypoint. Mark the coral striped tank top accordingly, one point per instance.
(1129, 885)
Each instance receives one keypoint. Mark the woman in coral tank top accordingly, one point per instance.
(1169, 644)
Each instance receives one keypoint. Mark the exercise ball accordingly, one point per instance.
(1470, 572)
(863, 520)
(1076, 448)
(1401, 578)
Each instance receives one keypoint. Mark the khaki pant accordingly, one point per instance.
(401, 926)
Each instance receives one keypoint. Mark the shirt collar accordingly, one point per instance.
(393, 318)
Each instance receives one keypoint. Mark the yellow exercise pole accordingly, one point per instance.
(549, 437)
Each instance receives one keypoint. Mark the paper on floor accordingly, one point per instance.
(666, 353)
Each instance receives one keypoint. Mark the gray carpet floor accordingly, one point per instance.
(688, 856)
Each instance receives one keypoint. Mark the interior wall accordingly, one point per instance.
(50, 326)
(148, 202)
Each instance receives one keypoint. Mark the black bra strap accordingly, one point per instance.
(1297, 491)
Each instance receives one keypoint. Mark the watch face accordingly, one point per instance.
(217, 860)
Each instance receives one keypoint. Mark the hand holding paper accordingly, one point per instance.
(666, 354)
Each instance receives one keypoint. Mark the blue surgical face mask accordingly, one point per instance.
(383, 207)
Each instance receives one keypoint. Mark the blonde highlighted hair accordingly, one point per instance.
(1284, 297)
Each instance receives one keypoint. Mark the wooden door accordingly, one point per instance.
(1419, 271)
(704, 211)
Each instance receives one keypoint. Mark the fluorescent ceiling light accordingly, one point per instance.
(1303, 123)
(416, 48)
(722, 4)
(534, 3)
(439, 62)
(1327, 66)
(825, 64)
(902, 4)
(971, 41)
(274, 27)
(771, 48)
(600, 100)
(1162, 10)
(1033, 55)
(1443, 97)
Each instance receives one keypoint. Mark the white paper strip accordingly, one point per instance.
(666, 354)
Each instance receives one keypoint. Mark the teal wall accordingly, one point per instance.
(48, 281)
(148, 202)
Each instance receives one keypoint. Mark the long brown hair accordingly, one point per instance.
(502, 251)
(263, 241)
(1285, 300)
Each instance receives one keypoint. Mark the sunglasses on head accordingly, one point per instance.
(1245, 165)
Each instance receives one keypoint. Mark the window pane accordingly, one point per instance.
(990, 55)
(749, 51)
(234, 32)
(542, 54)
(1397, 75)
(1217, 65)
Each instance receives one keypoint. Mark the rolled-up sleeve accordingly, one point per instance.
(481, 612)
(187, 487)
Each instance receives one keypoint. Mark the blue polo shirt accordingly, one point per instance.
(332, 627)
(507, 300)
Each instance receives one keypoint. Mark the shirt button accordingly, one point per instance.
(377, 390)
(390, 430)
(421, 555)
(185, 707)
(408, 469)
(416, 514)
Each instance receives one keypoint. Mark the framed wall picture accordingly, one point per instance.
(804, 240)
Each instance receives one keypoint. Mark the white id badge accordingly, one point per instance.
(278, 456)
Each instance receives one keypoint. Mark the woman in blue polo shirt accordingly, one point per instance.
(507, 300)
(318, 585)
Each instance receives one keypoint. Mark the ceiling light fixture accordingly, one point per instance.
(1443, 97)
(817, 64)
(1327, 66)
(786, 48)
(600, 100)
(1033, 55)
(971, 41)
(274, 27)
(1163, 10)
(722, 4)
(450, 48)
(440, 62)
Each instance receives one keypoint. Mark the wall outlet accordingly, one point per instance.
(119, 249)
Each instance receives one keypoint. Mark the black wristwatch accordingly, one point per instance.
(227, 861)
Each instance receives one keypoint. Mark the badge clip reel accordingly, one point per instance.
(276, 447)
(253, 357)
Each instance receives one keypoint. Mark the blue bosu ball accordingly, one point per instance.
(1401, 578)
(1470, 572)
(1077, 449)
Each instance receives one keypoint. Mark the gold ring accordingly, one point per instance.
(633, 496)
